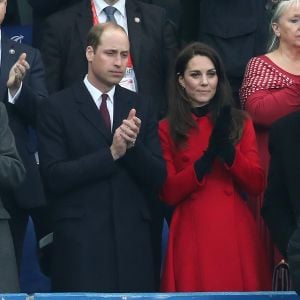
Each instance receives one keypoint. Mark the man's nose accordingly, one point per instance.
(118, 60)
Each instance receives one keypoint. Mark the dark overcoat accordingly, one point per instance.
(29, 196)
(281, 207)
(102, 209)
(12, 172)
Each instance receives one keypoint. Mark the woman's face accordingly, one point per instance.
(287, 29)
(199, 80)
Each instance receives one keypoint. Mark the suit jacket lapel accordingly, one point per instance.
(84, 22)
(134, 23)
(89, 110)
(8, 58)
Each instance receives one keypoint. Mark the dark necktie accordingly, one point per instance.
(109, 11)
(104, 111)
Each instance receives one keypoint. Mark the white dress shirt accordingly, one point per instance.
(120, 14)
(97, 97)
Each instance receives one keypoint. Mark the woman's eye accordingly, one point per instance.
(195, 75)
(211, 74)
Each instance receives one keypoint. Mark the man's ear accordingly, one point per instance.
(89, 53)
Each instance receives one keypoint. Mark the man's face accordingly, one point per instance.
(107, 65)
(3, 4)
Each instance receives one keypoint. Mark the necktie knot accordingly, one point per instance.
(110, 11)
(104, 97)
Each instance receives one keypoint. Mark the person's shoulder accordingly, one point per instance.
(163, 125)
(59, 100)
(26, 48)
(68, 12)
(139, 100)
(123, 92)
(147, 9)
(17, 48)
(261, 59)
(16, 45)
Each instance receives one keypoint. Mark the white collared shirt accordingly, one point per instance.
(120, 14)
(96, 95)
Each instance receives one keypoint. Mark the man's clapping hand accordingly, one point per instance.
(125, 135)
(17, 74)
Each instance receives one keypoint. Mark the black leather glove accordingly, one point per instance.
(225, 148)
(219, 144)
(203, 165)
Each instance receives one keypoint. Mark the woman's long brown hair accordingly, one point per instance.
(179, 111)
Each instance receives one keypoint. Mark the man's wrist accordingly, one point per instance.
(114, 153)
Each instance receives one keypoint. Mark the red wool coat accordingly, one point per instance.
(213, 243)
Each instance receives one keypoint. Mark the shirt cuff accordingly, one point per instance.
(12, 99)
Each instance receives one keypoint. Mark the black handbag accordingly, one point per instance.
(281, 277)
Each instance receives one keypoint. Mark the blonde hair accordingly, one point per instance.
(280, 8)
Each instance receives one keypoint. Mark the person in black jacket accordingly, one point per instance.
(12, 172)
(41, 9)
(22, 86)
(281, 207)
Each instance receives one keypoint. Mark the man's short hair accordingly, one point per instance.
(95, 33)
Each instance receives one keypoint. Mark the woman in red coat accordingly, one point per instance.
(212, 163)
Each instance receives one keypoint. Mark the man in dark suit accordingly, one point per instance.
(281, 207)
(21, 87)
(173, 9)
(102, 170)
(12, 172)
(238, 30)
(152, 38)
(41, 9)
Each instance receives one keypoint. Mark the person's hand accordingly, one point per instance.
(221, 136)
(17, 74)
(119, 146)
(219, 144)
(221, 130)
(131, 128)
(125, 135)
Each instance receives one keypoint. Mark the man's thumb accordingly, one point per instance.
(131, 114)
(22, 57)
